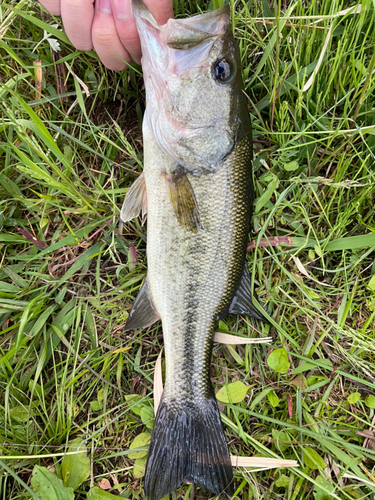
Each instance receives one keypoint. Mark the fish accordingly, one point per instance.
(197, 190)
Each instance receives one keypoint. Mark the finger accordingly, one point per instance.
(105, 39)
(126, 28)
(53, 6)
(162, 10)
(77, 16)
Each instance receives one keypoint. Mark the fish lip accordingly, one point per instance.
(141, 11)
(162, 45)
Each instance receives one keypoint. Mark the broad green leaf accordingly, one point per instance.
(147, 416)
(291, 166)
(98, 494)
(133, 400)
(139, 467)
(323, 489)
(313, 459)
(282, 481)
(21, 413)
(370, 401)
(260, 397)
(312, 294)
(273, 399)
(282, 439)
(222, 326)
(234, 392)
(354, 398)
(278, 361)
(96, 406)
(266, 196)
(49, 487)
(371, 283)
(36, 389)
(75, 468)
(141, 440)
(100, 395)
(316, 379)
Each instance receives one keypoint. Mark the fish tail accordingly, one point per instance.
(188, 444)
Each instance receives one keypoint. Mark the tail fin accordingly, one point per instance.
(188, 444)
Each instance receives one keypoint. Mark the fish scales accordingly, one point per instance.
(197, 190)
(208, 263)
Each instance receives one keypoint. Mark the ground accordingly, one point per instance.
(71, 145)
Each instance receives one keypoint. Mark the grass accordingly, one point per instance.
(70, 146)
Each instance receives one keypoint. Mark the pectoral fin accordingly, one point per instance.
(143, 312)
(182, 198)
(242, 302)
(135, 200)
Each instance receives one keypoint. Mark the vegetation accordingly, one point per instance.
(70, 146)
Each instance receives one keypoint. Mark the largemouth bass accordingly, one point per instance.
(197, 190)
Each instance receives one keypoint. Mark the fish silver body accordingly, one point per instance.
(197, 180)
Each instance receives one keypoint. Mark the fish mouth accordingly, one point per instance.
(179, 34)
(170, 49)
(185, 33)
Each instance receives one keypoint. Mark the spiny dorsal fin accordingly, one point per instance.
(242, 302)
(182, 198)
(143, 312)
(135, 200)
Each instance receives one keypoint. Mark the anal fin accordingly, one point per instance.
(182, 198)
(143, 313)
(242, 302)
(135, 200)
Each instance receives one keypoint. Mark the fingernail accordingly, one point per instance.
(123, 9)
(105, 6)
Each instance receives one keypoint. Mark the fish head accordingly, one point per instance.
(193, 85)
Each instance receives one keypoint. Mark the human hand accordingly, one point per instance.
(106, 25)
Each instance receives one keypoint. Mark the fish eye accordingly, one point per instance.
(223, 70)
